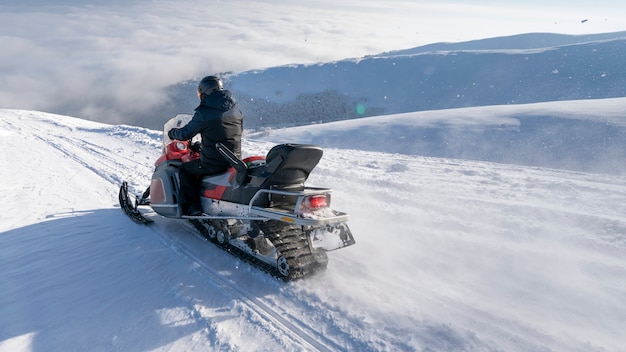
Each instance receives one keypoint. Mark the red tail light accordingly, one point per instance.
(316, 202)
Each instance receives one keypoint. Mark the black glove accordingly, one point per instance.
(195, 147)
(169, 134)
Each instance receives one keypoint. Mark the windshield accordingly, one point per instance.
(177, 121)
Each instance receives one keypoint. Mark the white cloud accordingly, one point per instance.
(97, 58)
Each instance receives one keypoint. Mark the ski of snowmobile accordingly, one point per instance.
(130, 208)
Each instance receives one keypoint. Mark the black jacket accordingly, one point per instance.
(217, 119)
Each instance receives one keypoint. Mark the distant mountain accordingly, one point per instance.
(536, 67)
(521, 41)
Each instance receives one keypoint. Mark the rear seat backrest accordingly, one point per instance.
(291, 163)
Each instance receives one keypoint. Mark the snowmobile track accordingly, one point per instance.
(289, 241)
(291, 326)
(292, 243)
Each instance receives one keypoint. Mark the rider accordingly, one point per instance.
(217, 119)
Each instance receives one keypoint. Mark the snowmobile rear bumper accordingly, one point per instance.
(286, 216)
(326, 230)
(293, 213)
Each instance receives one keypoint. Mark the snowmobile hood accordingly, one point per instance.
(219, 99)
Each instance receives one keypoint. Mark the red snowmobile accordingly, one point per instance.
(259, 210)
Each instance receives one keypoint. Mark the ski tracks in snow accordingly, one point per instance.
(88, 147)
(277, 322)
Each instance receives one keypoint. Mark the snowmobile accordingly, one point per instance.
(259, 209)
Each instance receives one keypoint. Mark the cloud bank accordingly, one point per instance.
(110, 60)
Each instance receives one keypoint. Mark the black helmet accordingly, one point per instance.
(209, 84)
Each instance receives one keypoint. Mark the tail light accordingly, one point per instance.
(317, 201)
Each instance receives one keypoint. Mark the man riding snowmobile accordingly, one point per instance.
(258, 208)
(218, 119)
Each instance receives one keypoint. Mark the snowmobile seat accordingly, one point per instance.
(290, 164)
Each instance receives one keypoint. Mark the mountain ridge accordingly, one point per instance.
(301, 94)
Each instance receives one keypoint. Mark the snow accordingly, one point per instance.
(452, 254)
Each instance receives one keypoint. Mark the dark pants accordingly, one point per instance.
(191, 174)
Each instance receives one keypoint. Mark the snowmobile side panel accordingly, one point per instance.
(157, 191)
(214, 186)
(165, 182)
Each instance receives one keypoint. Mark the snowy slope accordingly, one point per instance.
(451, 254)
(581, 135)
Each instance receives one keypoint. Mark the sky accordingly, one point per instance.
(451, 254)
(109, 59)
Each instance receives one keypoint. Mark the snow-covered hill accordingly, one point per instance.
(451, 254)
(518, 69)
(583, 135)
